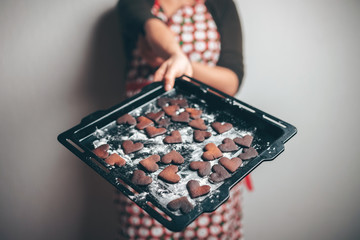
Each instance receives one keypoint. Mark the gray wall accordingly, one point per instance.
(57, 59)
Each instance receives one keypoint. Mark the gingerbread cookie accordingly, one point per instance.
(115, 159)
(139, 178)
(211, 152)
(221, 127)
(198, 124)
(175, 137)
(173, 157)
(248, 153)
(182, 117)
(149, 163)
(129, 146)
(171, 110)
(143, 122)
(219, 174)
(152, 131)
(164, 122)
(180, 102)
(163, 101)
(245, 141)
(203, 168)
(195, 190)
(228, 145)
(155, 116)
(101, 151)
(169, 174)
(194, 113)
(126, 119)
(231, 164)
(200, 136)
(181, 203)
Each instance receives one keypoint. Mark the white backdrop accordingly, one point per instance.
(302, 65)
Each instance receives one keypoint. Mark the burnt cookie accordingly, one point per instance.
(228, 145)
(200, 136)
(152, 131)
(203, 168)
(181, 203)
(194, 113)
(198, 124)
(171, 110)
(163, 101)
(101, 151)
(182, 117)
(175, 137)
(231, 164)
(219, 174)
(211, 152)
(164, 122)
(180, 102)
(248, 153)
(129, 146)
(143, 122)
(245, 141)
(115, 159)
(173, 157)
(126, 119)
(149, 163)
(155, 116)
(169, 174)
(139, 178)
(195, 190)
(221, 127)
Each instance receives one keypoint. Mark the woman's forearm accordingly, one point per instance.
(218, 77)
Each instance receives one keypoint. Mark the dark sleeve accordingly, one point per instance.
(228, 23)
(132, 16)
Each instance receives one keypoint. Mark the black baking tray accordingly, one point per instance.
(269, 132)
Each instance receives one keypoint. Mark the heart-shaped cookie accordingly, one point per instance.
(195, 190)
(101, 151)
(115, 159)
(126, 119)
(139, 178)
(245, 141)
(211, 152)
(200, 136)
(219, 173)
(182, 117)
(203, 168)
(171, 110)
(221, 127)
(194, 113)
(169, 174)
(231, 164)
(155, 116)
(173, 157)
(149, 163)
(248, 153)
(228, 145)
(143, 122)
(164, 122)
(175, 137)
(129, 147)
(180, 102)
(181, 203)
(152, 131)
(198, 124)
(163, 101)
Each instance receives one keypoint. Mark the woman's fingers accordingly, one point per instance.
(159, 74)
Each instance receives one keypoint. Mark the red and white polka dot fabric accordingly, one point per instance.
(197, 34)
(194, 29)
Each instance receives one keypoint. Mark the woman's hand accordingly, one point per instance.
(148, 54)
(175, 66)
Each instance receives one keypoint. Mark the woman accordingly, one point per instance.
(164, 40)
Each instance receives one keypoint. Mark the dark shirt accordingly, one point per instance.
(134, 13)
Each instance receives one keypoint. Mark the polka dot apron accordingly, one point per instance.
(199, 39)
